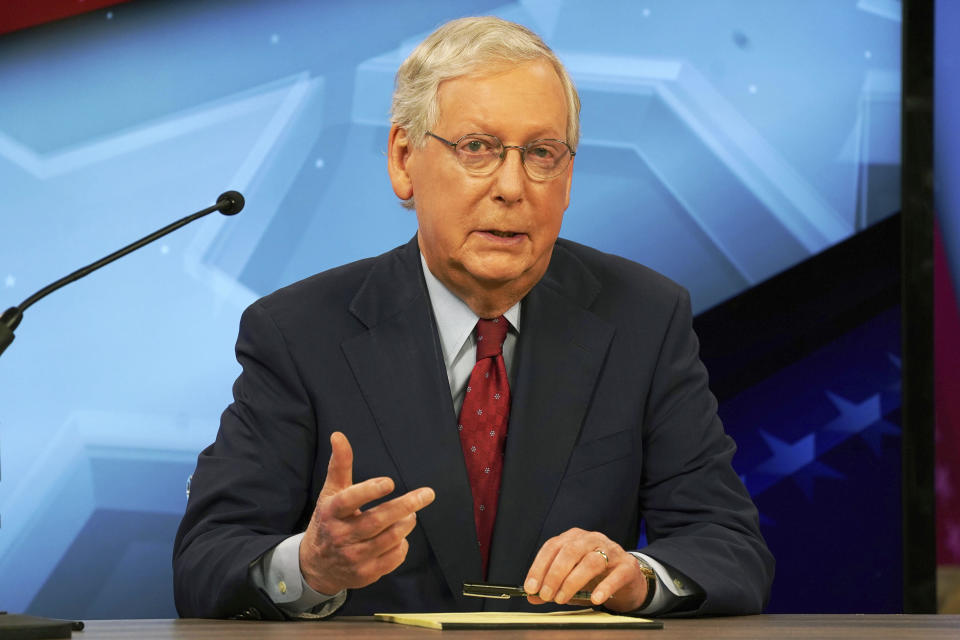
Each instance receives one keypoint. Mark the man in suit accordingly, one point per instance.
(530, 458)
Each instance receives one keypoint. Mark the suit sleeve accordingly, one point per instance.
(700, 519)
(250, 488)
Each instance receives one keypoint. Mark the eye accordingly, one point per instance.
(542, 152)
(475, 145)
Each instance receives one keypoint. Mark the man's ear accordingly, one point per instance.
(399, 147)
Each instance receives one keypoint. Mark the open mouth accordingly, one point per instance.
(502, 234)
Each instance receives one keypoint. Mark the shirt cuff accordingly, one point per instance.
(672, 587)
(277, 572)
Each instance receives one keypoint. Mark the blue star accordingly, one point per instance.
(797, 460)
(864, 419)
(805, 477)
(854, 417)
(787, 458)
(873, 435)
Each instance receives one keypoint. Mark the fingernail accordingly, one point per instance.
(384, 484)
(599, 597)
(545, 593)
(530, 586)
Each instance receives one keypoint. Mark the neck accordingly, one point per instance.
(490, 306)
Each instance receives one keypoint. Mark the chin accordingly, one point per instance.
(499, 274)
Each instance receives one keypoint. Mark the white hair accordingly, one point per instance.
(461, 47)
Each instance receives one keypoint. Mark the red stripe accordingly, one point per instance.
(946, 337)
(29, 13)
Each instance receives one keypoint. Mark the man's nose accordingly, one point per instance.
(510, 176)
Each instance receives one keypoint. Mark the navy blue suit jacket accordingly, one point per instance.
(611, 422)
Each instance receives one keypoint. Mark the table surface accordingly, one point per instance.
(820, 627)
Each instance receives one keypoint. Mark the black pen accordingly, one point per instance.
(503, 592)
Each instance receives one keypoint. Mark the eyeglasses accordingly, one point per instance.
(481, 153)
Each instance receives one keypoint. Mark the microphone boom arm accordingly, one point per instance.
(229, 203)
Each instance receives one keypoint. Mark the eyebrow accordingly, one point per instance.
(540, 134)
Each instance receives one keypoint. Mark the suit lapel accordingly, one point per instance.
(399, 367)
(560, 355)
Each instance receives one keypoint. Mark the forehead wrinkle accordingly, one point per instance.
(483, 115)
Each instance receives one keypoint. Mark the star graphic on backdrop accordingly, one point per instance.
(787, 458)
(796, 460)
(895, 381)
(864, 419)
(9, 281)
(804, 477)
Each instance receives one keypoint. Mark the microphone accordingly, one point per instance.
(229, 203)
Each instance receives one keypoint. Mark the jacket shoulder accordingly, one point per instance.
(617, 276)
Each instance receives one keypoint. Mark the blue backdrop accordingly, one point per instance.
(723, 141)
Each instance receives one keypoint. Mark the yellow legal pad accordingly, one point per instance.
(577, 619)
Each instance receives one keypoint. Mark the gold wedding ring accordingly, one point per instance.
(606, 560)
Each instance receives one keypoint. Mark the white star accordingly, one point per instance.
(9, 281)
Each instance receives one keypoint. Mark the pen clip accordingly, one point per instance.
(494, 591)
(503, 592)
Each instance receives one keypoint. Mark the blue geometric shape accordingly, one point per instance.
(804, 477)
(795, 460)
(863, 419)
(787, 458)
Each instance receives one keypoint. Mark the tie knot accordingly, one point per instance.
(490, 337)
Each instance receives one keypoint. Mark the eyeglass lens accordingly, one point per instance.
(481, 153)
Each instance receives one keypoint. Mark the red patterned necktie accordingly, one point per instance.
(483, 427)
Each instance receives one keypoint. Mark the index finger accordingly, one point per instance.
(381, 517)
(347, 501)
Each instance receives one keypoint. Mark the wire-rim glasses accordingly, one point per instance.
(481, 154)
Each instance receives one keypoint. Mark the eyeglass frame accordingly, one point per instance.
(503, 153)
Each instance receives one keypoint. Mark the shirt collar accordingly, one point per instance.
(455, 320)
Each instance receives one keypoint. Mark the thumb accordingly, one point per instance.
(340, 468)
